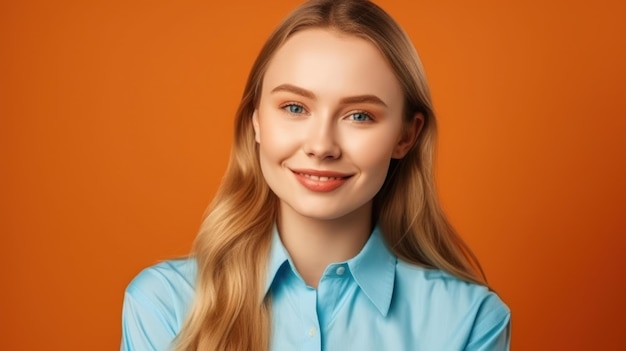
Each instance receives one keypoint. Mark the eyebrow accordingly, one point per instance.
(372, 99)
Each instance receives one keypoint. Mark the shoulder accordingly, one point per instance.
(167, 286)
(173, 276)
(473, 310)
(434, 283)
(156, 303)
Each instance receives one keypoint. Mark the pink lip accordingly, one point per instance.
(320, 181)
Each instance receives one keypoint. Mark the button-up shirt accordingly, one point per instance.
(373, 301)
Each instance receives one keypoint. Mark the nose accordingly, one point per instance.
(321, 140)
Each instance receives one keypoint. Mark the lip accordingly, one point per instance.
(320, 180)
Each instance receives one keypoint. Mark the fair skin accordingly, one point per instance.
(328, 123)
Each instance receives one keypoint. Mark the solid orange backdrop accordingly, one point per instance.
(116, 122)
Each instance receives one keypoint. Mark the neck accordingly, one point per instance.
(313, 244)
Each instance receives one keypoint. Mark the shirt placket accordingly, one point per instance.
(311, 333)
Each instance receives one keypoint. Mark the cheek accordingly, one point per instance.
(372, 157)
(277, 138)
(372, 152)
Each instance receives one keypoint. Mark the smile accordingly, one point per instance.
(318, 178)
(320, 181)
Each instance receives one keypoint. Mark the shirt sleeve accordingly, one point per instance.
(492, 328)
(147, 320)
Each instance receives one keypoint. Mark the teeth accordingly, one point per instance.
(318, 178)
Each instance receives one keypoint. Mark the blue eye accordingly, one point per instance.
(360, 117)
(294, 108)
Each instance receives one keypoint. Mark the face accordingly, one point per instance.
(328, 123)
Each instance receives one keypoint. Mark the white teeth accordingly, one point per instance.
(318, 178)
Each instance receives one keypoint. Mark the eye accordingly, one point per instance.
(294, 108)
(360, 116)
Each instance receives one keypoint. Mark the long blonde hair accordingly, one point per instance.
(230, 310)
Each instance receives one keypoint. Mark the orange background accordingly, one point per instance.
(116, 121)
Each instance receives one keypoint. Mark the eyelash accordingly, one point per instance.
(293, 104)
(367, 115)
(287, 107)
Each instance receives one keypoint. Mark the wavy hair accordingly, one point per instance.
(230, 310)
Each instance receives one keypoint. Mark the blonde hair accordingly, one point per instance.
(230, 310)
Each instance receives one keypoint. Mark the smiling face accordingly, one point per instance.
(328, 122)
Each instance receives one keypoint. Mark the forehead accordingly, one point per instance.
(333, 64)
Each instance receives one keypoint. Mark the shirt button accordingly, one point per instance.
(312, 332)
(341, 270)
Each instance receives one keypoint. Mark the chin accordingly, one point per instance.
(324, 213)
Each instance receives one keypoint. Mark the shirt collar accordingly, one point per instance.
(373, 268)
(278, 257)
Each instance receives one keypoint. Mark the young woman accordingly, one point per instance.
(326, 233)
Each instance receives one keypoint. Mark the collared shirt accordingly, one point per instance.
(373, 301)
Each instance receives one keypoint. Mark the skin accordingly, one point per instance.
(329, 103)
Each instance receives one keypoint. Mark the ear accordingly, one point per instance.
(255, 125)
(409, 136)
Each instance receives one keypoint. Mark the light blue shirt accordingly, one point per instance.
(373, 301)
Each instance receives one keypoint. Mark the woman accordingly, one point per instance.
(326, 233)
